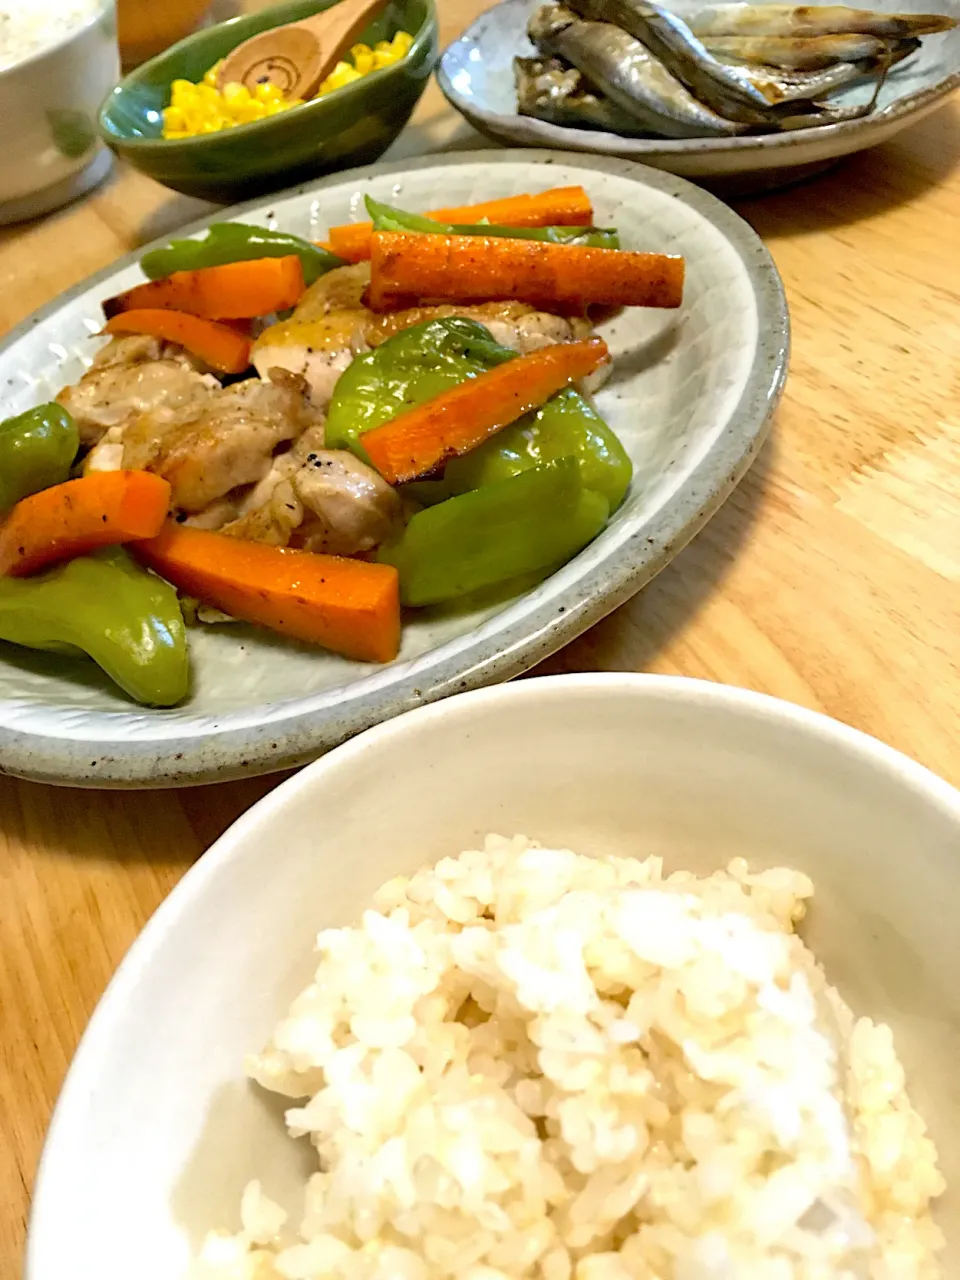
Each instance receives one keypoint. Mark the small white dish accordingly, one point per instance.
(157, 1132)
(476, 76)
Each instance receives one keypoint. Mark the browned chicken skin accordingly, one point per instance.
(129, 377)
(330, 326)
(225, 442)
(321, 500)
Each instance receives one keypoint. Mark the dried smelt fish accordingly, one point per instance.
(795, 86)
(813, 20)
(549, 90)
(806, 53)
(628, 74)
(670, 40)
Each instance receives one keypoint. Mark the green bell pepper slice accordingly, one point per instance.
(37, 449)
(104, 605)
(530, 523)
(413, 366)
(421, 362)
(227, 242)
(566, 426)
(386, 218)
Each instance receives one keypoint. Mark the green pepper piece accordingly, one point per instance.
(104, 605)
(37, 449)
(413, 366)
(227, 242)
(386, 218)
(566, 426)
(531, 522)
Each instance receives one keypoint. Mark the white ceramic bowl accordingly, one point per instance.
(48, 109)
(156, 1131)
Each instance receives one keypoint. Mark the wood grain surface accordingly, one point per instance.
(831, 577)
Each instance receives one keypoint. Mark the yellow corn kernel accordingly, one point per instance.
(211, 76)
(403, 43)
(235, 95)
(383, 60)
(360, 51)
(268, 93)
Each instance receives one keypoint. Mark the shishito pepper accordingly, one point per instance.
(566, 426)
(527, 524)
(104, 605)
(386, 218)
(408, 369)
(420, 362)
(227, 242)
(37, 449)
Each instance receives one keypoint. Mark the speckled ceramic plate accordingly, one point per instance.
(476, 76)
(690, 396)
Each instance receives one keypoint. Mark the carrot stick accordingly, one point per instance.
(350, 606)
(559, 207)
(218, 345)
(68, 520)
(236, 291)
(487, 269)
(458, 420)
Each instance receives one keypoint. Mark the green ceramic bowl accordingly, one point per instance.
(352, 126)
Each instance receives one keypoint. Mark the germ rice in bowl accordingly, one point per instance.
(29, 26)
(524, 1062)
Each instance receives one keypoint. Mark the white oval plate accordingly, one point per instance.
(690, 397)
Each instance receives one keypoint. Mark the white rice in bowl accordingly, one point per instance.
(528, 1063)
(28, 26)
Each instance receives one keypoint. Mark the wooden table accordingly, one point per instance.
(831, 577)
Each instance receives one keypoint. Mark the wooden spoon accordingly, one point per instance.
(299, 56)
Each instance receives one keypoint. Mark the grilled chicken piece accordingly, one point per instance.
(227, 441)
(132, 376)
(321, 500)
(331, 325)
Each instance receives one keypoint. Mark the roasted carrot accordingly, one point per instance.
(559, 207)
(482, 269)
(236, 291)
(456, 421)
(68, 520)
(350, 606)
(218, 345)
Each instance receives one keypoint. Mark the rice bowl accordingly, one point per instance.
(156, 1134)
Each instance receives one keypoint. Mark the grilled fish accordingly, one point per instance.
(813, 20)
(667, 37)
(796, 86)
(636, 81)
(550, 90)
(805, 53)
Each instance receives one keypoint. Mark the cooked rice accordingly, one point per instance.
(27, 26)
(528, 1063)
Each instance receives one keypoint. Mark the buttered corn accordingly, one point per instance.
(365, 60)
(203, 108)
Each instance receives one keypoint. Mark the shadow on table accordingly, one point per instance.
(174, 213)
(631, 638)
(863, 185)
